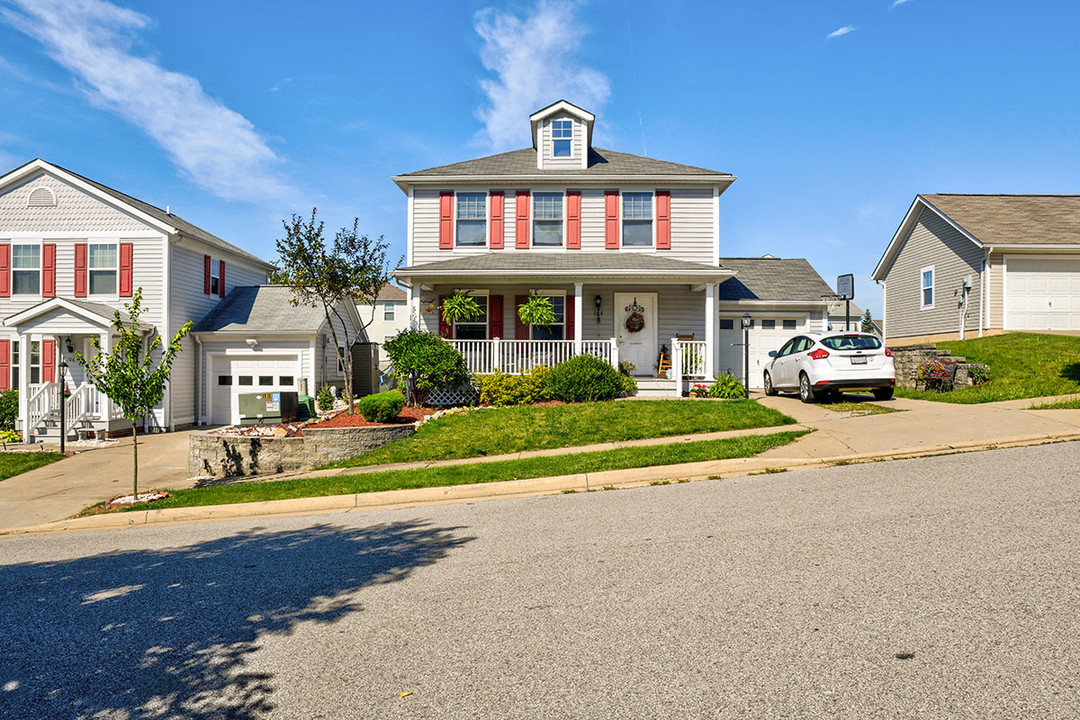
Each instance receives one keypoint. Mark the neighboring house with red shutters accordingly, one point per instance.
(626, 247)
(72, 251)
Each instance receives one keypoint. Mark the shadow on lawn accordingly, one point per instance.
(169, 633)
(1071, 372)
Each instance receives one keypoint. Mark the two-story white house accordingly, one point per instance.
(626, 247)
(73, 251)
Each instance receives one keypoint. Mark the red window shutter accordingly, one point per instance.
(5, 365)
(521, 330)
(127, 256)
(611, 219)
(5, 270)
(206, 275)
(80, 269)
(573, 219)
(221, 278)
(446, 329)
(48, 270)
(495, 316)
(570, 325)
(663, 219)
(521, 227)
(446, 220)
(497, 222)
(48, 361)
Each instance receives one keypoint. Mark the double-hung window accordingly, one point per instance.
(556, 330)
(471, 219)
(26, 269)
(547, 219)
(926, 287)
(215, 276)
(474, 328)
(637, 219)
(103, 268)
(388, 312)
(562, 138)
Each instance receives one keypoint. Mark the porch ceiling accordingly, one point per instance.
(570, 265)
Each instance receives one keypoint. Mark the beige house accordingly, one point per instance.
(963, 266)
(385, 318)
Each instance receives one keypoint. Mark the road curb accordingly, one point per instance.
(506, 489)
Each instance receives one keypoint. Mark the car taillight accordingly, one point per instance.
(888, 352)
(819, 354)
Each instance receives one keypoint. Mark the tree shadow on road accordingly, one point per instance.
(169, 633)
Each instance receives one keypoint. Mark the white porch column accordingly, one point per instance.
(577, 318)
(710, 330)
(24, 384)
(106, 404)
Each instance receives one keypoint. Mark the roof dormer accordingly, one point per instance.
(562, 136)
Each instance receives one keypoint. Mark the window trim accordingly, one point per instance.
(923, 288)
(487, 220)
(532, 219)
(116, 269)
(486, 322)
(39, 243)
(651, 248)
(569, 139)
(550, 293)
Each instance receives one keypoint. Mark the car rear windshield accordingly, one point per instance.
(851, 342)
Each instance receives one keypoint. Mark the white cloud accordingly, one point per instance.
(533, 59)
(214, 147)
(840, 32)
(898, 2)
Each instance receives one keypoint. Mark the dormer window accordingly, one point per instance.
(562, 137)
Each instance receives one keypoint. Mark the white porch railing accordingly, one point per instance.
(688, 360)
(519, 356)
(42, 403)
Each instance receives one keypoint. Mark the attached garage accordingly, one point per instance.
(232, 375)
(768, 332)
(1042, 293)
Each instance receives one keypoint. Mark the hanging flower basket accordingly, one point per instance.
(635, 323)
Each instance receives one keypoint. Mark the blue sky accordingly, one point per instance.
(833, 115)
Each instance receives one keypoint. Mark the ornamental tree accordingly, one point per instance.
(351, 269)
(129, 375)
(424, 362)
(868, 322)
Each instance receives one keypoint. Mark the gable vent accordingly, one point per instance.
(41, 197)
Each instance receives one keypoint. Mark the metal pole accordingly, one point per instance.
(847, 314)
(746, 360)
(63, 408)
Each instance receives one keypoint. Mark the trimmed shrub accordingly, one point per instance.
(502, 389)
(727, 387)
(9, 409)
(381, 407)
(325, 398)
(585, 378)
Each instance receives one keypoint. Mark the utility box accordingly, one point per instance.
(267, 408)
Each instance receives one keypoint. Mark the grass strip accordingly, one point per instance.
(511, 430)
(619, 459)
(1068, 404)
(859, 408)
(16, 463)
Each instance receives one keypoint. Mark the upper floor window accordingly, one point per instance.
(26, 269)
(637, 219)
(215, 276)
(547, 219)
(927, 287)
(562, 136)
(557, 330)
(388, 312)
(103, 268)
(474, 328)
(471, 219)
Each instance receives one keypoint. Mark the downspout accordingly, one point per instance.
(198, 380)
(170, 420)
(984, 292)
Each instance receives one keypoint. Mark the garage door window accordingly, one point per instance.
(727, 324)
(789, 324)
(927, 287)
(285, 381)
(266, 380)
(246, 380)
(224, 379)
(768, 324)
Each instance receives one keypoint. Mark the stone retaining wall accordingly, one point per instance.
(908, 358)
(212, 455)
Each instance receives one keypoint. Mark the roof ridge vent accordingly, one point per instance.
(41, 197)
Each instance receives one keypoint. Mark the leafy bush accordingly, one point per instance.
(585, 378)
(727, 386)
(424, 362)
(324, 399)
(10, 436)
(629, 385)
(382, 407)
(979, 374)
(9, 409)
(502, 389)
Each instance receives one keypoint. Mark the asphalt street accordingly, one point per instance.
(946, 587)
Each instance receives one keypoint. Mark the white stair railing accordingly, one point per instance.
(81, 406)
(42, 403)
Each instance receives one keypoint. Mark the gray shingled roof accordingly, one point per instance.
(186, 228)
(772, 279)
(261, 308)
(571, 263)
(391, 292)
(601, 164)
(1014, 219)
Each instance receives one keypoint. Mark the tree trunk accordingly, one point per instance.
(135, 469)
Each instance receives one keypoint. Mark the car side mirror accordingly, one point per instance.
(772, 353)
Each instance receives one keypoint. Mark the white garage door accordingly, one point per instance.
(236, 374)
(768, 333)
(1042, 294)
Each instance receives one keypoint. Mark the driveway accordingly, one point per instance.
(60, 490)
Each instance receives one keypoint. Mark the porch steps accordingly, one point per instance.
(655, 387)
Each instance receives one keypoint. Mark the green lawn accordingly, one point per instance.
(858, 408)
(16, 463)
(1022, 365)
(619, 459)
(1069, 404)
(510, 430)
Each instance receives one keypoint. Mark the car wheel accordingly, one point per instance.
(883, 393)
(769, 389)
(806, 392)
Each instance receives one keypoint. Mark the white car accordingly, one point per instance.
(820, 365)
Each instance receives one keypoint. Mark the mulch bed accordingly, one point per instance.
(408, 415)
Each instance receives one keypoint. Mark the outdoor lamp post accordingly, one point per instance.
(747, 321)
(63, 405)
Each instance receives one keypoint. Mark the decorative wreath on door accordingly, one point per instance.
(635, 323)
